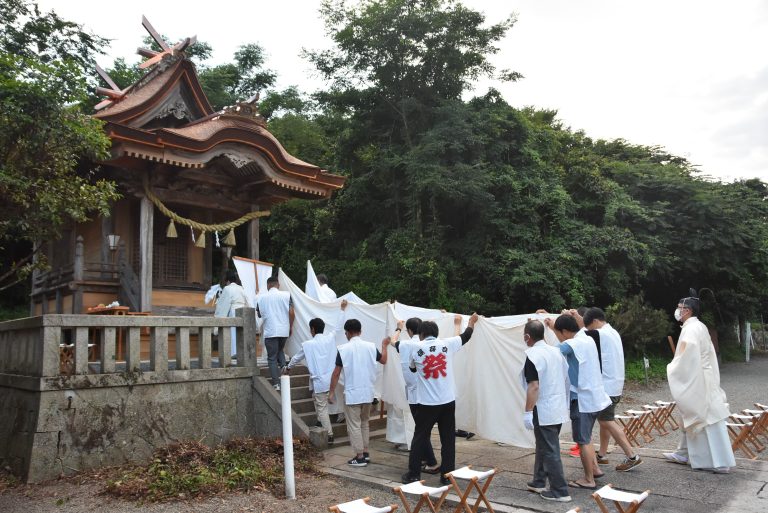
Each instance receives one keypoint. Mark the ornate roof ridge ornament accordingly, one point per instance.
(114, 93)
(248, 109)
(166, 50)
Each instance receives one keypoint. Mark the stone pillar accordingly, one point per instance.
(253, 236)
(146, 231)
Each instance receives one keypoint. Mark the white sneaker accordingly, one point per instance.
(276, 387)
(676, 458)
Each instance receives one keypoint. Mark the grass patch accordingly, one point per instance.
(633, 368)
(191, 469)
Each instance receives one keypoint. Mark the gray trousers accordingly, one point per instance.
(547, 464)
(275, 356)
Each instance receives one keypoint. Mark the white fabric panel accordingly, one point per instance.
(489, 398)
(312, 287)
(354, 298)
(246, 271)
(263, 273)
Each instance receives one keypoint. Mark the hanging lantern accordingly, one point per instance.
(171, 231)
(229, 240)
(200, 240)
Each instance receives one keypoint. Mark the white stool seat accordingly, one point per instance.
(360, 506)
(610, 493)
(607, 492)
(467, 473)
(417, 488)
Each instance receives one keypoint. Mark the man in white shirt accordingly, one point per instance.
(326, 294)
(231, 299)
(320, 354)
(546, 408)
(432, 361)
(276, 308)
(611, 352)
(588, 396)
(358, 360)
(694, 380)
(408, 339)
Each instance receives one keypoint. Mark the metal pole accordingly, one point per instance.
(285, 397)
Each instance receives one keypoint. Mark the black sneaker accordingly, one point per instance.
(444, 480)
(470, 435)
(357, 463)
(408, 478)
(367, 457)
(330, 439)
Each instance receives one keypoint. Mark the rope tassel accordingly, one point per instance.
(229, 240)
(171, 231)
(200, 241)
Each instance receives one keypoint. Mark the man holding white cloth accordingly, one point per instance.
(320, 353)
(546, 408)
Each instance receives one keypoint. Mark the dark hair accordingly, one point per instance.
(272, 280)
(693, 303)
(535, 329)
(593, 314)
(232, 277)
(353, 326)
(428, 329)
(566, 323)
(322, 279)
(317, 324)
(413, 324)
(582, 310)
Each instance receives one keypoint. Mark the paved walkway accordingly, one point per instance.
(674, 488)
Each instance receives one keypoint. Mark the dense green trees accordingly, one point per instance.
(472, 203)
(44, 134)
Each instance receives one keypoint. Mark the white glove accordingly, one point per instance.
(528, 419)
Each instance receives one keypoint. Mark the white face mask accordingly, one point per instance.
(679, 314)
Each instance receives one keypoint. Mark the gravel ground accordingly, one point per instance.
(745, 383)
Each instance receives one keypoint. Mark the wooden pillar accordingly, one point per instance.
(77, 275)
(146, 230)
(107, 227)
(208, 254)
(253, 236)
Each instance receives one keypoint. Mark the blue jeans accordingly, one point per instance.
(275, 356)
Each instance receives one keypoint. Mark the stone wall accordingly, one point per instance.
(55, 424)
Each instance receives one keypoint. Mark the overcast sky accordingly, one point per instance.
(688, 75)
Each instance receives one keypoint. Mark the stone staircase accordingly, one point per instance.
(304, 406)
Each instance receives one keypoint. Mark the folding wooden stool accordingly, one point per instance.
(761, 424)
(669, 407)
(418, 488)
(656, 420)
(360, 506)
(607, 492)
(751, 437)
(474, 477)
(645, 422)
(574, 510)
(739, 432)
(631, 426)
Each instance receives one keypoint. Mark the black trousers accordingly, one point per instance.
(427, 452)
(425, 418)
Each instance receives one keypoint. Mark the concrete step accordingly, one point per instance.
(344, 440)
(340, 428)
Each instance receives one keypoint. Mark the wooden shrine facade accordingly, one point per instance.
(172, 153)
